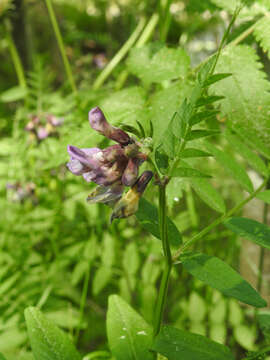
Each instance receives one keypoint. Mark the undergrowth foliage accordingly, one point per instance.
(70, 280)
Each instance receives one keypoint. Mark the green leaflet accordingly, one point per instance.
(102, 277)
(188, 172)
(241, 148)
(197, 134)
(13, 94)
(219, 275)
(264, 196)
(147, 214)
(129, 335)
(250, 229)
(208, 194)
(202, 115)
(156, 63)
(191, 153)
(178, 344)
(48, 342)
(215, 78)
(231, 166)
(208, 100)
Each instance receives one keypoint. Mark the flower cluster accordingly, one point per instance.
(41, 127)
(18, 192)
(112, 168)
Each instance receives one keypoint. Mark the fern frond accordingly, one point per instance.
(262, 33)
(247, 98)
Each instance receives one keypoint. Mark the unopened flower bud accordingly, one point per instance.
(131, 172)
(99, 123)
(129, 203)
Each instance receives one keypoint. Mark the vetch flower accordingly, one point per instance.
(42, 126)
(129, 203)
(104, 167)
(111, 168)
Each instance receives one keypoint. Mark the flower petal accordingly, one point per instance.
(106, 194)
(87, 157)
(76, 167)
(131, 172)
(42, 133)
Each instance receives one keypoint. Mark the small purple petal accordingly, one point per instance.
(88, 157)
(131, 172)
(76, 167)
(42, 133)
(54, 121)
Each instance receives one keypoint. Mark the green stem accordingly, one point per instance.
(218, 221)
(235, 42)
(262, 252)
(145, 36)
(61, 45)
(165, 18)
(148, 30)
(168, 260)
(15, 56)
(119, 55)
(83, 301)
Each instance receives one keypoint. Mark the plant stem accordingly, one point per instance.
(165, 18)
(83, 301)
(15, 56)
(148, 30)
(168, 260)
(262, 252)
(61, 46)
(145, 36)
(119, 55)
(218, 221)
(236, 41)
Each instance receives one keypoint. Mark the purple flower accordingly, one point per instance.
(104, 167)
(42, 133)
(112, 168)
